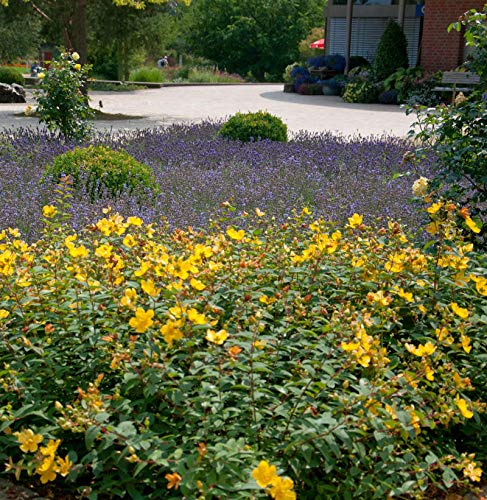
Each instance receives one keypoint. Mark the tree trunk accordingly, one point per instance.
(78, 30)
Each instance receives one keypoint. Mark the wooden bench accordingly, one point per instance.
(457, 81)
(323, 72)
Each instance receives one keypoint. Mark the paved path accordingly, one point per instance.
(195, 103)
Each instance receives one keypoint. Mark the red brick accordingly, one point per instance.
(441, 50)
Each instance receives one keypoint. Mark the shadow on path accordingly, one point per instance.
(329, 102)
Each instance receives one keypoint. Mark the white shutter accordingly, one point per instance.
(366, 34)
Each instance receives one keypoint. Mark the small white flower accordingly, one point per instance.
(75, 56)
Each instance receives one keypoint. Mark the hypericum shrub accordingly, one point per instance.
(9, 76)
(392, 52)
(61, 103)
(104, 171)
(305, 358)
(257, 126)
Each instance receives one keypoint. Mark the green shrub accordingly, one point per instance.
(360, 92)
(61, 103)
(351, 359)
(403, 81)
(146, 74)
(103, 171)
(358, 61)
(10, 75)
(254, 126)
(391, 52)
(456, 135)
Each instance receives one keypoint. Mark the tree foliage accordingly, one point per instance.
(392, 52)
(252, 36)
(18, 19)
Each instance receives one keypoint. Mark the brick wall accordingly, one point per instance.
(441, 50)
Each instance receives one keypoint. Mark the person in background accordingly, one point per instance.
(34, 69)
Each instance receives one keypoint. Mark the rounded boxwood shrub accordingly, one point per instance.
(392, 51)
(9, 76)
(104, 171)
(261, 125)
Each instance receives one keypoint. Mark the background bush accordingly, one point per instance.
(9, 76)
(391, 52)
(257, 126)
(103, 171)
(360, 92)
(147, 74)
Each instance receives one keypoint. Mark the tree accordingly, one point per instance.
(69, 16)
(129, 30)
(392, 51)
(18, 19)
(252, 36)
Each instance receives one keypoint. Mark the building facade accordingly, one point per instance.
(356, 26)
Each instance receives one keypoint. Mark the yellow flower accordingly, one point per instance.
(407, 296)
(472, 472)
(51, 448)
(480, 284)
(350, 346)
(47, 470)
(422, 350)
(266, 300)
(306, 211)
(260, 344)
(434, 208)
(197, 284)
(235, 235)
(459, 311)
(142, 320)
(472, 225)
(420, 186)
(135, 221)
(64, 465)
(104, 251)
(41, 75)
(432, 228)
(29, 441)
(149, 288)
(355, 220)
(129, 241)
(171, 332)
(462, 406)
(281, 489)
(259, 213)
(216, 337)
(3, 313)
(264, 474)
(130, 297)
(466, 343)
(75, 56)
(80, 251)
(429, 373)
(49, 211)
(196, 318)
(173, 480)
(77, 67)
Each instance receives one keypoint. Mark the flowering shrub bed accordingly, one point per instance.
(195, 170)
(257, 359)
